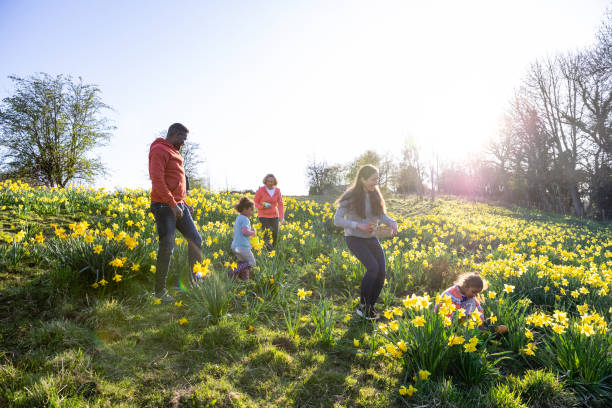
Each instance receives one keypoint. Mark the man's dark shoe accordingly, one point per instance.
(366, 312)
(165, 297)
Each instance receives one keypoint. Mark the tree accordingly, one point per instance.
(594, 80)
(553, 87)
(386, 168)
(554, 150)
(369, 157)
(322, 177)
(192, 162)
(407, 180)
(408, 174)
(384, 164)
(434, 173)
(49, 126)
(532, 155)
(498, 159)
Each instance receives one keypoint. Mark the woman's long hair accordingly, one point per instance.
(356, 194)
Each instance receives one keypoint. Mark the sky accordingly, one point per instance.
(269, 86)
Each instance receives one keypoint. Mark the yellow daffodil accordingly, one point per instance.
(424, 374)
(419, 321)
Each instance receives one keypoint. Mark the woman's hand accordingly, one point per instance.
(281, 222)
(365, 228)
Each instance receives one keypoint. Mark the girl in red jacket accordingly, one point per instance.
(270, 209)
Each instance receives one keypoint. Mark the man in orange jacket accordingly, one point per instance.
(168, 204)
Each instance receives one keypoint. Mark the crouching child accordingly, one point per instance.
(464, 296)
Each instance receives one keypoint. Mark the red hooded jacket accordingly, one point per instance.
(166, 173)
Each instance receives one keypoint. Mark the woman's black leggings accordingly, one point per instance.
(371, 255)
(270, 225)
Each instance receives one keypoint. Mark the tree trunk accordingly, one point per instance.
(578, 209)
(433, 191)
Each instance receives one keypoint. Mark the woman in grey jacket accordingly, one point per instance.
(360, 209)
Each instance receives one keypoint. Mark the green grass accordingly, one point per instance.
(63, 346)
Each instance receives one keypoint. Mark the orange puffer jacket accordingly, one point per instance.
(167, 173)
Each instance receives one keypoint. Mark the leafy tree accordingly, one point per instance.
(601, 192)
(48, 127)
(384, 163)
(323, 177)
(192, 161)
(369, 157)
(408, 174)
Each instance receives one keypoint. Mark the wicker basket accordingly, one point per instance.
(383, 231)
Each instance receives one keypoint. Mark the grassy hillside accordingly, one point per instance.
(80, 326)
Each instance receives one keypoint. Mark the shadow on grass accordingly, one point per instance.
(342, 375)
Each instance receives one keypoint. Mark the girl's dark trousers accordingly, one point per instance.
(371, 255)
